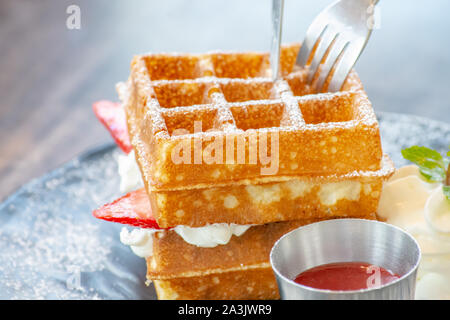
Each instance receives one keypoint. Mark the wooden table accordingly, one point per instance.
(50, 75)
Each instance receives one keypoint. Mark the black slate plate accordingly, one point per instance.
(51, 247)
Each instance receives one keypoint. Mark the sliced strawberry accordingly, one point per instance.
(112, 115)
(133, 209)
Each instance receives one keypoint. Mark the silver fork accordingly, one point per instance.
(341, 32)
(277, 22)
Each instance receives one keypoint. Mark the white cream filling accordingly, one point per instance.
(130, 175)
(421, 209)
(212, 235)
(141, 240)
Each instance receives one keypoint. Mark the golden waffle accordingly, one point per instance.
(224, 106)
(270, 199)
(250, 284)
(223, 272)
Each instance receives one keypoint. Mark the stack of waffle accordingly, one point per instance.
(218, 142)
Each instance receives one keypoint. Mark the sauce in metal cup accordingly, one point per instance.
(346, 240)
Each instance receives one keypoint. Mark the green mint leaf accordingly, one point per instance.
(418, 154)
(430, 162)
(446, 190)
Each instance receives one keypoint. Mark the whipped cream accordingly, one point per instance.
(130, 175)
(212, 235)
(421, 209)
(141, 240)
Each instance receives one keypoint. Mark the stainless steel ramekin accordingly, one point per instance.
(346, 240)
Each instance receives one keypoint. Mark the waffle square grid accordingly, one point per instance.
(193, 101)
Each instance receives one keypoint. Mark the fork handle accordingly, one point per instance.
(277, 21)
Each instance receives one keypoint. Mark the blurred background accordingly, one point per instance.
(50, 75)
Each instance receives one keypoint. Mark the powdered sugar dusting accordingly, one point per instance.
(54, 244)
(51, 246)
(194, 75)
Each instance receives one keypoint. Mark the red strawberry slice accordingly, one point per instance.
(112, 115)
(133, 209)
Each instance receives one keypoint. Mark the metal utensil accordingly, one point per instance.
(346, 240)
(277, 21)
(336, 37)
